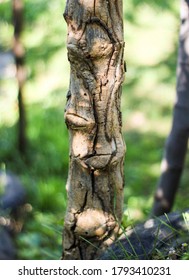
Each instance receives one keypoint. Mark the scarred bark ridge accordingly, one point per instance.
(95, 182)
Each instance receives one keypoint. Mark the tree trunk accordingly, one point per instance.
(95, 181)
(18, 51)
(177, 141)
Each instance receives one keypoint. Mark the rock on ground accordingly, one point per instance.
(155, 236)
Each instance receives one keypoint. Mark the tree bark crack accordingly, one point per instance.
(95, 20)
(110, 16)
(94, 7)
(93, 117)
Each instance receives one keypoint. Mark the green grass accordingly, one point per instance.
(151, 33)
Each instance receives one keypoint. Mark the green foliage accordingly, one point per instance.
(151, 33)
(6, 32)
(5, 11)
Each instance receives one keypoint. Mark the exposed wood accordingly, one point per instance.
(95, 183)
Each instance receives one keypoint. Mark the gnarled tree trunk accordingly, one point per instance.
(95, 182)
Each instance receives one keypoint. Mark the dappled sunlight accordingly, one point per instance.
(8, 105)
(164, 165)
(151, 36)
(136, 121)
(150, 46)
(149, 223)
(136, 209)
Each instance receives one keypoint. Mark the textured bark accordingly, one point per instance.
(18, 51)
(177, 141)
(95, 181)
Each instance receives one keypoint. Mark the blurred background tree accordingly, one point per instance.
(18, 52)
(151, 36)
